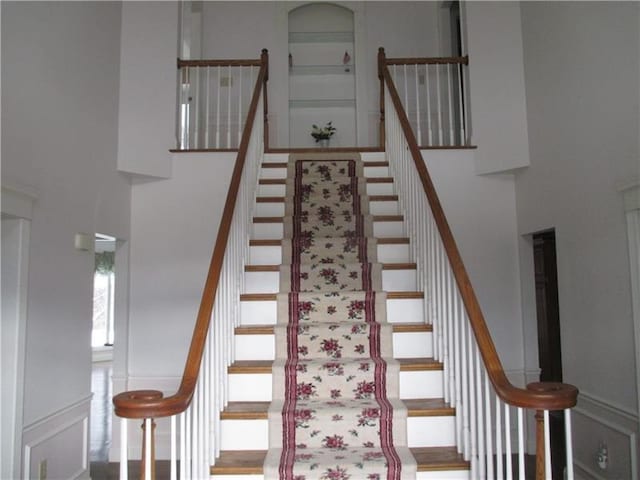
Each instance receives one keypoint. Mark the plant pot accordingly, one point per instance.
(323, 143)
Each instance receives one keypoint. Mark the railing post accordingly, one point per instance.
(540, 458)
(382, 59)
(264, 59)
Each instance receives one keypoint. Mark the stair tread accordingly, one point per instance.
(278, 242)
(276, 268)
(264, 297)
(418, 407)
(249, 462)
(261, 329)
(265, 366)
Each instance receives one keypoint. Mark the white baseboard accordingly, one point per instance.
(60, 439)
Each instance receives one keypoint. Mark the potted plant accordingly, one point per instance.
(322, 135)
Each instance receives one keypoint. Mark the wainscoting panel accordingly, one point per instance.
(59, 444)
(596, 421)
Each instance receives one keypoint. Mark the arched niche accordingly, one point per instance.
(322, 86)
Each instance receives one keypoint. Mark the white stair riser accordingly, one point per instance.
(273, 231)
(437, 431)
(269, 282)
(436, 475)
(267, 255)
(410, 310)
(256, 387)
(369, 172)
(278, 190)
(276, 209)
(405, 345)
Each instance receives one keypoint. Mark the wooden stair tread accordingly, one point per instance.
(265, 297)
(418, 407)
(397, 328)
(375, 218)
(276, 268)
(277, 242)
(249, 462)
(265, 366)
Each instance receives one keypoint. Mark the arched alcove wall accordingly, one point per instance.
(322, 86)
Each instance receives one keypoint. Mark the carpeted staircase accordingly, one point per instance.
(336, 412)
(333, 333)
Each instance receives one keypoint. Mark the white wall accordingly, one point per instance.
(496, 85)
(148, 76)
(59, 106)
(242, 29)
(482, 216)
(581, 69)
(173, 228)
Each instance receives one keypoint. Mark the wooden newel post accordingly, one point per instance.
(540, 456)
(264, 59)
(382, 63)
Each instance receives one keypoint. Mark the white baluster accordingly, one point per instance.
(438, 98)
(507, 441)
(239, 106)
(174, 452)
(148, 430)
(196, 133)
(461, 106)
(426, 81)
(229, 108)
(206, 115)
(520, 443)
(472, 407)
(569, 443)
(124, 450)
(418, 130)
(480, 413)
(450, 97)
(406, 90)
(488, 426)
(547, 447)
(464, 348)
(218, 108)
(187, 459)
(183, 445)
(499, 468)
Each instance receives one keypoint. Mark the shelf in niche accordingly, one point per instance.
(330, 103)
(320, 37)
(321, 70)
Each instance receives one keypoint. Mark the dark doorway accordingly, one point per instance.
(549, 349)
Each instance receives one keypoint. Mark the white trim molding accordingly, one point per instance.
(630, 191)
(613, 424)
(60, 439)
(18, 200)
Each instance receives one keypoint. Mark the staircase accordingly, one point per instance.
(459, 415)
(430, 427)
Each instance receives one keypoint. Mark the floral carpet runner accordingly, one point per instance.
(335, 413)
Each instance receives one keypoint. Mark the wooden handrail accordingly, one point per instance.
(219, 63)
(428, 61)
(537, 396)
(150, 403)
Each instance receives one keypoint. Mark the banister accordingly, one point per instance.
(150, 403)
(539, 395)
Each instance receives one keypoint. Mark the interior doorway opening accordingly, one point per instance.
(102, 333)
(549, 341)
